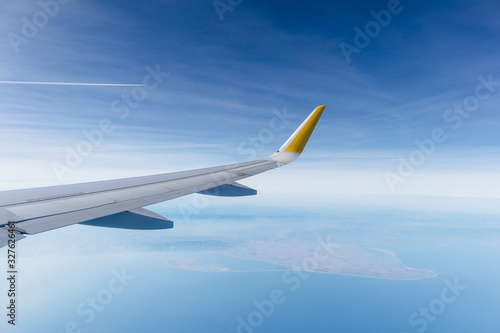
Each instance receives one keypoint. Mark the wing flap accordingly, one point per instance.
(137, 219)
(54, 207)
(230, 190)
(7, 216)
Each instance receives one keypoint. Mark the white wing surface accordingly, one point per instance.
(118, 203)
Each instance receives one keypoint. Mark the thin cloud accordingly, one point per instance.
(74, 84)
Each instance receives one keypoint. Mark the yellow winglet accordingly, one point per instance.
(304, 131)
(295, 144)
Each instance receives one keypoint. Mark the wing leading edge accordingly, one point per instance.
(118, 203)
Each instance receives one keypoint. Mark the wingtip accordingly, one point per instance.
(303, 133)
(296, 143)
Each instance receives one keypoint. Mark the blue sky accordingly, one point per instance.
(395, 112)
(225, 78)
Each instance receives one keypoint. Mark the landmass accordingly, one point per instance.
(339, 259)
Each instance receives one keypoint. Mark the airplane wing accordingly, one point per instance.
(118, 203)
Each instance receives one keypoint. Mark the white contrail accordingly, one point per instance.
(75, 83)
